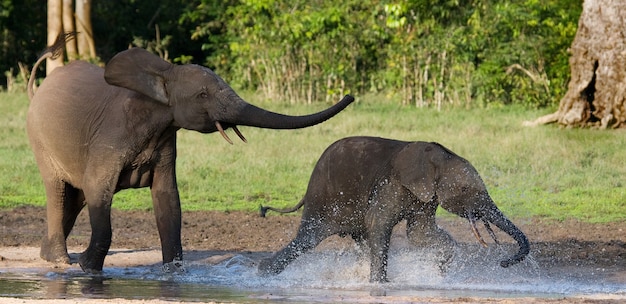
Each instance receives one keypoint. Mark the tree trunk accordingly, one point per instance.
(86, 46)
(64, 17)
(55, 27)
(597, 88)
(68, 27)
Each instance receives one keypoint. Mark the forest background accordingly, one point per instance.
(419, 52)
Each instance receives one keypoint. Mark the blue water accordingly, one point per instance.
(322, 276)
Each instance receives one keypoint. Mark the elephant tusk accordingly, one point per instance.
(219, 128)
(472, 221)
(490, 231)
(239, 134)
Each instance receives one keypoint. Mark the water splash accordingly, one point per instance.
(472, 268)
(474, 271)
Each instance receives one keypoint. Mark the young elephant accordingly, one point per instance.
(364, 186)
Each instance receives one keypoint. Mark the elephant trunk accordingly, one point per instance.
(250, 115)
(496, 217)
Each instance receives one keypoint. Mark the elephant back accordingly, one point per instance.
(352, 164)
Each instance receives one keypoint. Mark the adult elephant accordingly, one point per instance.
(364, 186)
(96, 131)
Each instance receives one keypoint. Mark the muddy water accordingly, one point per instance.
(324, 276)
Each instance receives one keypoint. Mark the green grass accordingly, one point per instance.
(543, 171)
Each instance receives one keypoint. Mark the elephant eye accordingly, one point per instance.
(203, 95)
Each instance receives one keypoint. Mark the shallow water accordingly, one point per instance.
(324, 276)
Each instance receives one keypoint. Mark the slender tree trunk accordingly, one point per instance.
(597, 88)
(55, 27)
(68, 27)
(86, 46)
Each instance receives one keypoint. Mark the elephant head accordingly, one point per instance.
(452, 181)
(200, 99)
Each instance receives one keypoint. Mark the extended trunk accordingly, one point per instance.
(497, 218)
(254, 116)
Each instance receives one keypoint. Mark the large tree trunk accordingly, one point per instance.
(597, 88)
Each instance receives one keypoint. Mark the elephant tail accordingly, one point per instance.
(263, 209)
(52, 52)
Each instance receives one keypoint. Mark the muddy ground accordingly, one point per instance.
(566, 243)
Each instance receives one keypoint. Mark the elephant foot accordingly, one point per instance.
(445, 260)
(55, 257)
(91, 263)
(175, 266)
(378, 292)
(91, 271)
(440, 255)
(379, 277)
(267, 267)
(53, 250)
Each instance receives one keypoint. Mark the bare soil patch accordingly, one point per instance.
(567, 243)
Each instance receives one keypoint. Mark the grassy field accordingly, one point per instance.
(543, 171)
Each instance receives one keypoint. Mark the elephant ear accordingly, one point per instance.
(141, 71)
(416, 171)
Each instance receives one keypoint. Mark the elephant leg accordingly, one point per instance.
(384, 213)
(309, 235)
(379, 255)
(74, 205)
(422, 231)
(166, 202)
(92, 259)
(99, 205)
(62, 208)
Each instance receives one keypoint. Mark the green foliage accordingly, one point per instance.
(301, 51)
(22, 35)
(425, 52)
(546, 172)
(521, 50)
(419, 52)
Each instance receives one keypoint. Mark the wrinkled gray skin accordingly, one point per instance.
(364, 186)
(97, 131)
